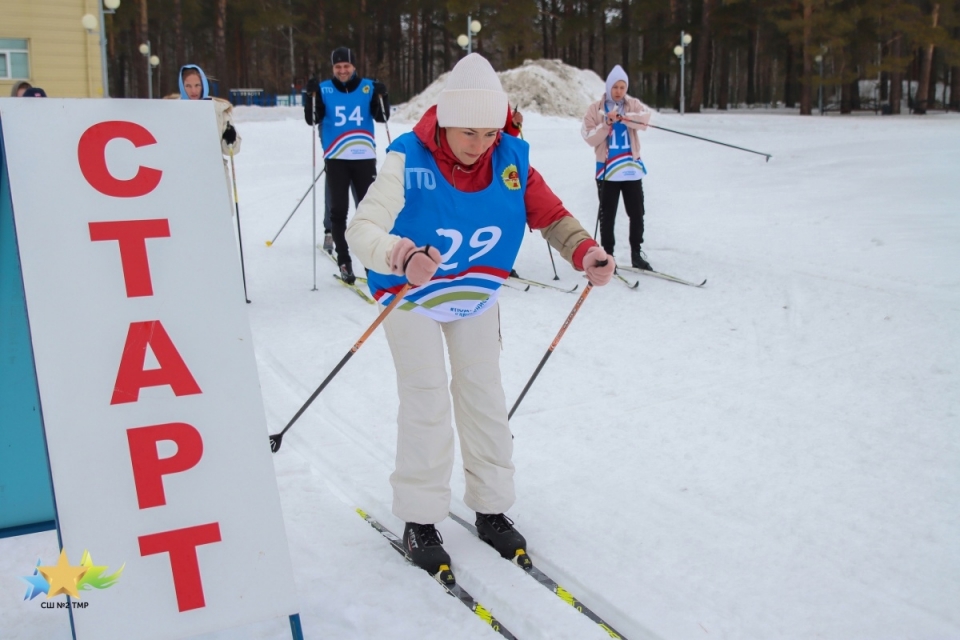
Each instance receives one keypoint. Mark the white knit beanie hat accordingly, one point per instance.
(473, 96)
(616, 74)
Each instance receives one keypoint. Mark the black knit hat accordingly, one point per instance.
(342, 54)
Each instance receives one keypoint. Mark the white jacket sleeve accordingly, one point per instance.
(224, 112)
(369, 232)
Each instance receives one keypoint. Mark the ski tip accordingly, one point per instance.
(702, 283)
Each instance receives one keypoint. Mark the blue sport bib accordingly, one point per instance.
(346, 132)
(620, 165)
(478, 234)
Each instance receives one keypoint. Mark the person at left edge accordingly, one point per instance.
(194, 86)
(345, 107)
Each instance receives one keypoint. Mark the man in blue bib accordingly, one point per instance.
(345, 107)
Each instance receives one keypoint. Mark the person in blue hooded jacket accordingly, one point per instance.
(194, 86)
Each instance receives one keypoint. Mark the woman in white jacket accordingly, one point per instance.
(194, 86)
(447, 214)
(610, 126)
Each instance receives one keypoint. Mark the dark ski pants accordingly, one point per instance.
(341, 175)
(327, 225)
(609, 193)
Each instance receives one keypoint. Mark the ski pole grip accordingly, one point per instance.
(425, 251)
(603, 263)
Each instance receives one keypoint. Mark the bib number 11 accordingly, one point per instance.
(484, 239)
(626, 141)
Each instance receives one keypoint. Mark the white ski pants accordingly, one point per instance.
(421, 481)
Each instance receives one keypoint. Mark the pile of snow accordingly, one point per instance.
(548, 87)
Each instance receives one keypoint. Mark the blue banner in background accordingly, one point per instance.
(26, 496)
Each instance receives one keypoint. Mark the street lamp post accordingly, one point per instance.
(152, 61)
(465, 40)
(680, 52)
(91, 24)
(819, 59)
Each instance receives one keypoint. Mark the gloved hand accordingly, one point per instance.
(379, 89)
(598, 274)
(418, 264)
(312, 85)
(229, 134)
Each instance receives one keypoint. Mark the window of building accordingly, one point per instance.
(14, 59)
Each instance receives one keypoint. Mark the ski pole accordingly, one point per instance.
(236, 204)
(276, 439)
(550, 249)
(313, 138)
(690, 135)
(556, 341)
(520, 129)
(304, 197)
(603, 187)
(386, 117)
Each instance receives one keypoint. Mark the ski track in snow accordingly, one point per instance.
(520, 608)
(773, 455)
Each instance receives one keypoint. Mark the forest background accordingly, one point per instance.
(865, 54)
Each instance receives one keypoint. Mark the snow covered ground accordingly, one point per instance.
(776, 455)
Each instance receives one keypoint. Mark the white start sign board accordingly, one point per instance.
(150, 399)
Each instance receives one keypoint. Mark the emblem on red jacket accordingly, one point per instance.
(511, 178)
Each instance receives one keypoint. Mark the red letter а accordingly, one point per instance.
(131, 376)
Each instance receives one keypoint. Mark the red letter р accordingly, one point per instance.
(149, 468)
(132, 237)
(131, 376)
(182, 545)
(91, 152)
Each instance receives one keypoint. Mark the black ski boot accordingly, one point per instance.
(638, 261)
(497, 530)
(328, 242)
(424, 545)
(346, 273)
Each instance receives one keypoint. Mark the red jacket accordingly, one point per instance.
(509, 127)
(543, 206)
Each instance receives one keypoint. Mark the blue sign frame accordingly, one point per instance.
(26, 491)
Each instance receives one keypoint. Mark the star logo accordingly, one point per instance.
(37, 584)
(62, 577)
(66, 579)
